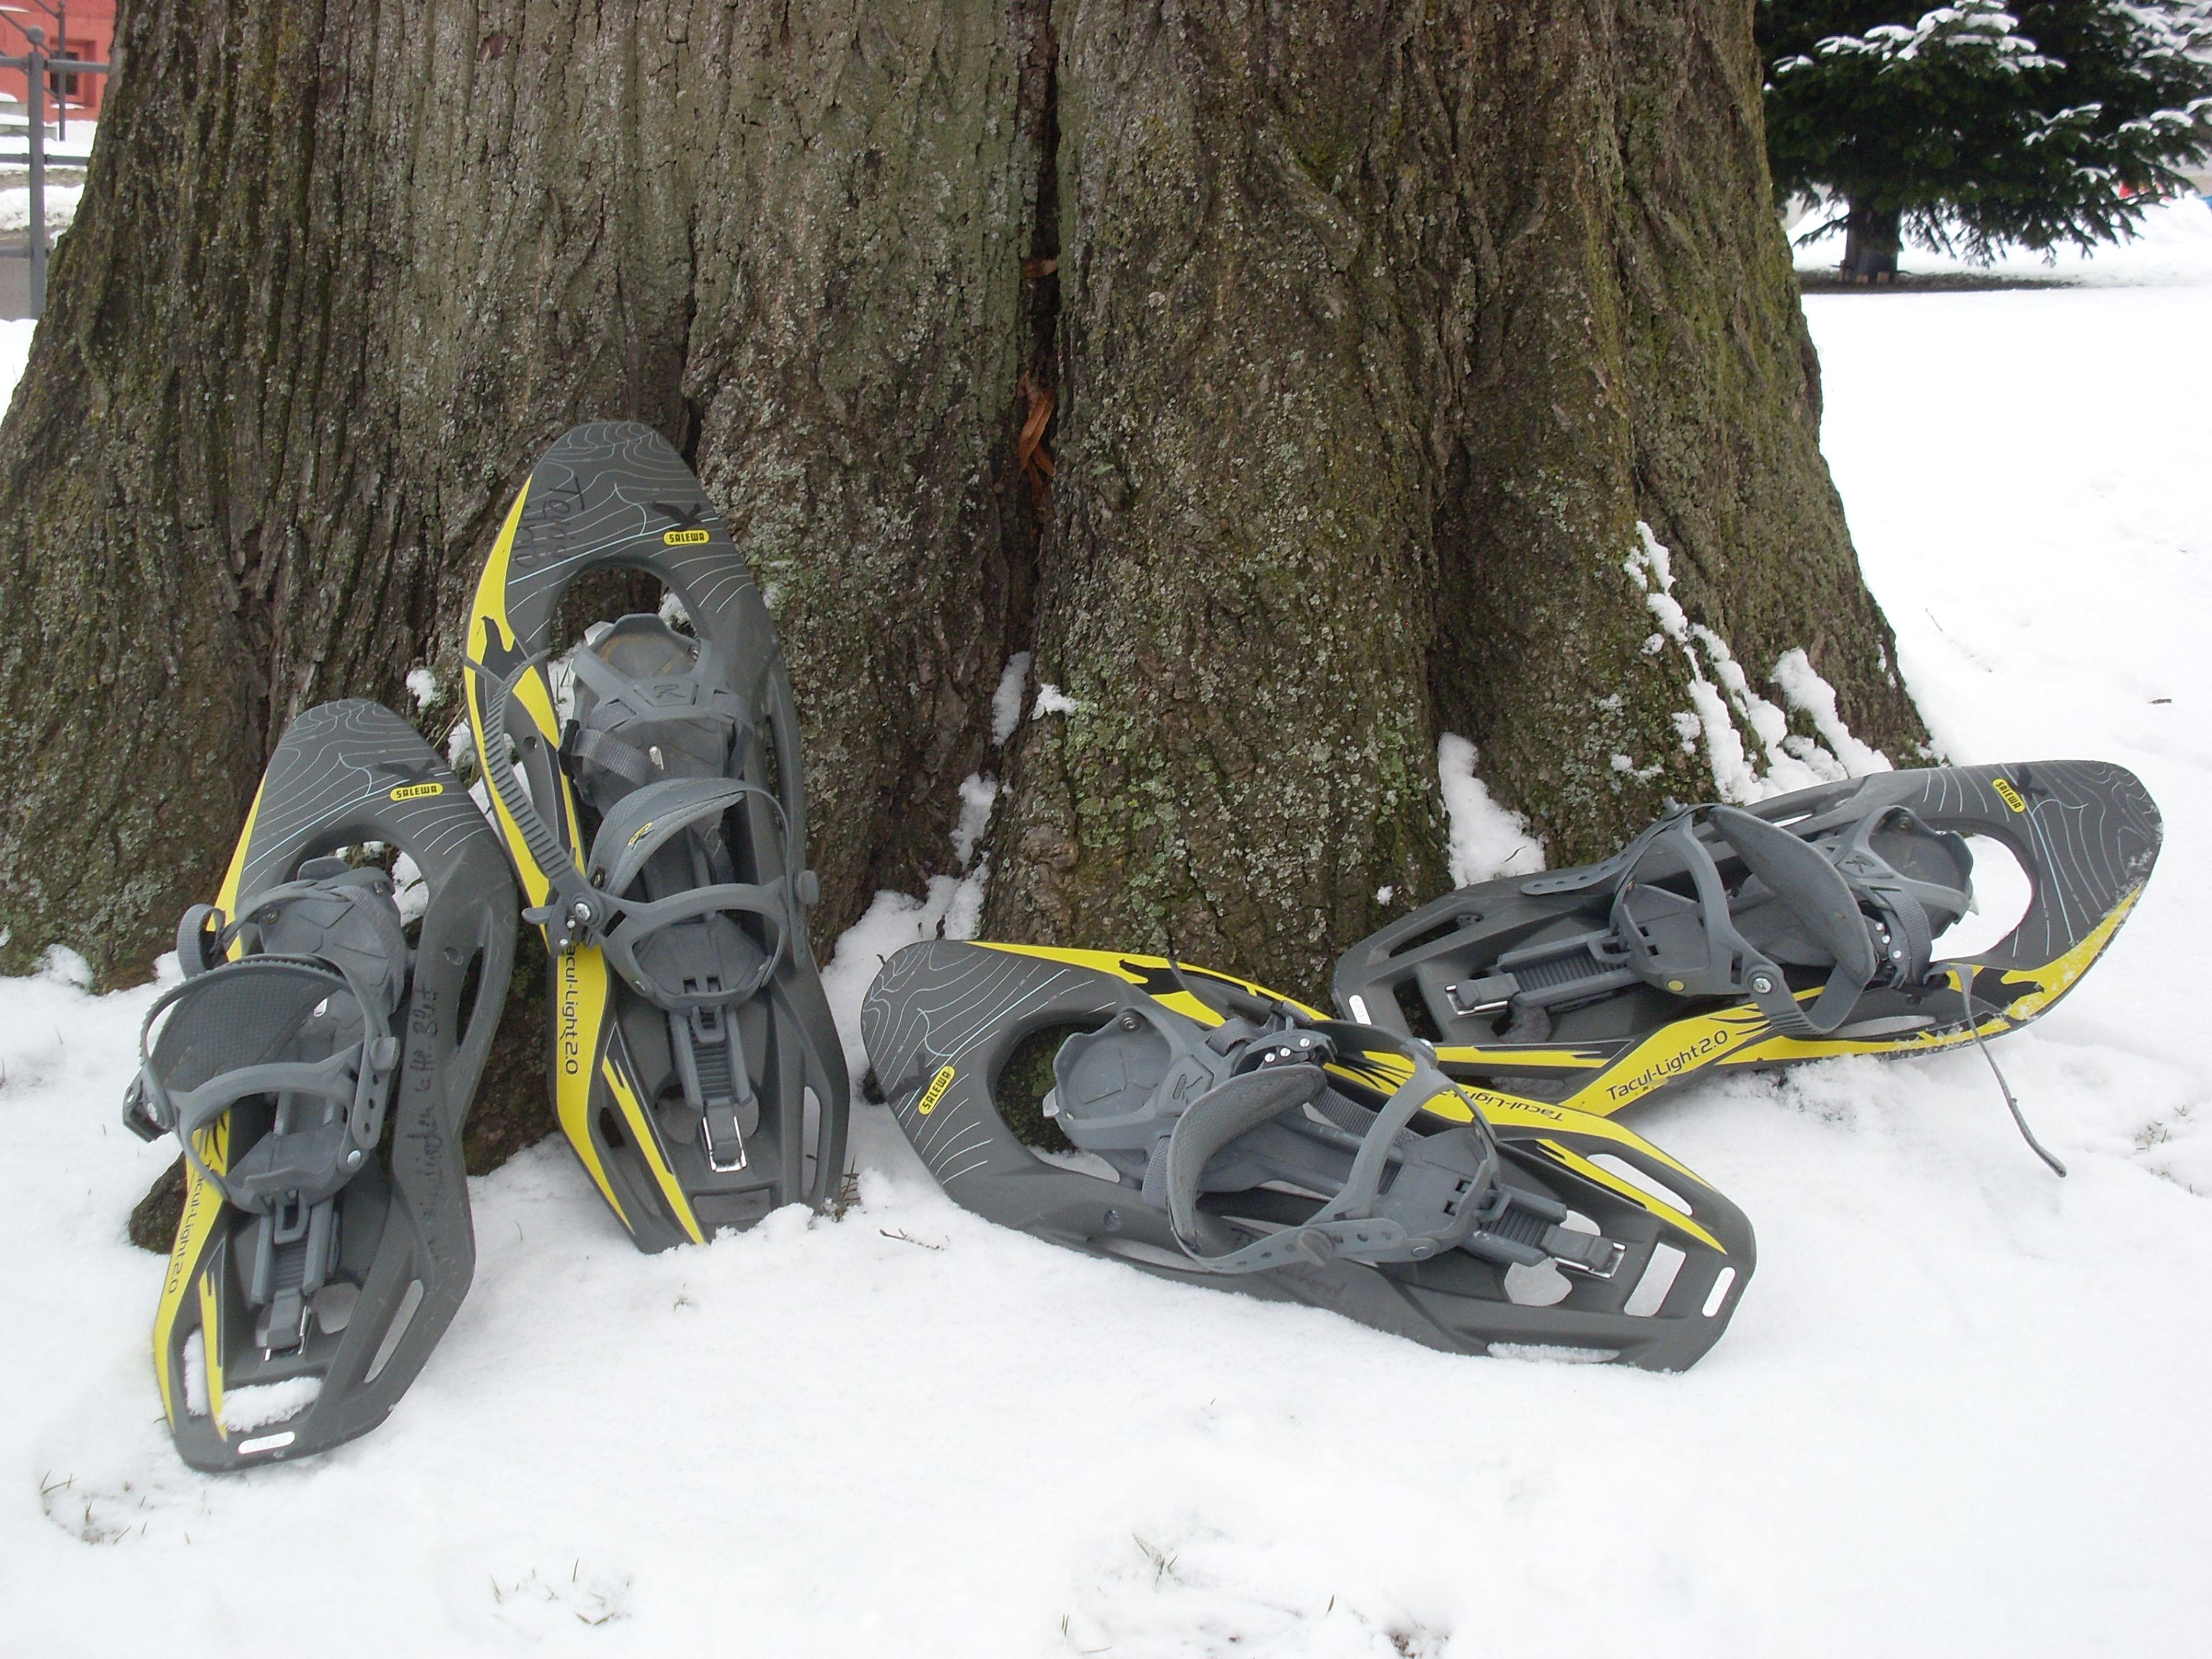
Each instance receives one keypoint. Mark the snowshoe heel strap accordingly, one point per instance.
(302, 1034)
(1444, 1186)
(1224, 1113)
(712, 962)
(1691, 946)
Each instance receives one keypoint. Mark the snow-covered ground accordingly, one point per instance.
(62, 203)
(1958, 1412)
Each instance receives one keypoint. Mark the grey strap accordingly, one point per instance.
(608, 682)
(612, 754)
(1347, 1225)
(315, 1160)
(1721, 961)
(1219, 1116)
(1819, 897)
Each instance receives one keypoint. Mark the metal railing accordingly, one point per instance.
(36, 64)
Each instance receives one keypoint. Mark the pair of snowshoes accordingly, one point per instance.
(319, 1057)
(1441, 1160)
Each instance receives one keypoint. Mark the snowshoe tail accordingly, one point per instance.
(656, 817)
(1803, 928)
(1211, 1130)
(317, 1068)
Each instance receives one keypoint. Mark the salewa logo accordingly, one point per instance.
(2010, 796)
(685, 538)
(417, 791)
(643, 830)
(935, 1093)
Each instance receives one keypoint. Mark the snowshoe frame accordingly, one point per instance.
(943, 1019)
(616, 494)
(392, 1208)
(2086, 833)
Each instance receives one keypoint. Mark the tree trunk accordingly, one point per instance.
(1871, 238)
(1374, 335)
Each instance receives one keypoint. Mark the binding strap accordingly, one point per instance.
(1691, 947)
(1445, 1184)
(639, 826)
(226, 1040)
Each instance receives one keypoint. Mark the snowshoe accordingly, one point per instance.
(317, 1070)
(1206, 1129)
(1799, 928)
(661, 835)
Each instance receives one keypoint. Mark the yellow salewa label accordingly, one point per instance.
(685, 538)
(417, 791)
(935, 1093)
(2010, 796)
(643, 830)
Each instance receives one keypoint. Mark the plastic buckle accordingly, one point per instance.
(138, 1113)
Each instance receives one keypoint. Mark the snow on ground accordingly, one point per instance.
(62, 202)
(1960, 1410)
(15, 351)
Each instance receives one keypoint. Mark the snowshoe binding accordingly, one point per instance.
(317, 1069)
(1211, 1130)
(1799, 928)
(660, 833)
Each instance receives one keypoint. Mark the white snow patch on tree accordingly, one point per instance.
(1807, 692)
(65, 967)
(1724, 708)
(1486, 839)
(423, 686)
(978, 795)
(1007, 700)
(1051, 700)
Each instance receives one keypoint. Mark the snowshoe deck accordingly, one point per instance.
(1803, 928)
(660, 833)
(317, 1070)
(1204, 1129)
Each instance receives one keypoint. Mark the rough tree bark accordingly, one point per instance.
(1374, 331)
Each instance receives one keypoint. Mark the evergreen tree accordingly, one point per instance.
(1974, 124)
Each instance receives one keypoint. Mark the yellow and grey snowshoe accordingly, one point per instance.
(1803, 928)
(660, 830)
(317, 1068)
(1209, 1130)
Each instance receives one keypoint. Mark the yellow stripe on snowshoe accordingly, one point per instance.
(1612, 1183)
(203, 1205)
(648, 1145)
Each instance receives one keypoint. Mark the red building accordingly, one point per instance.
(88, 28)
